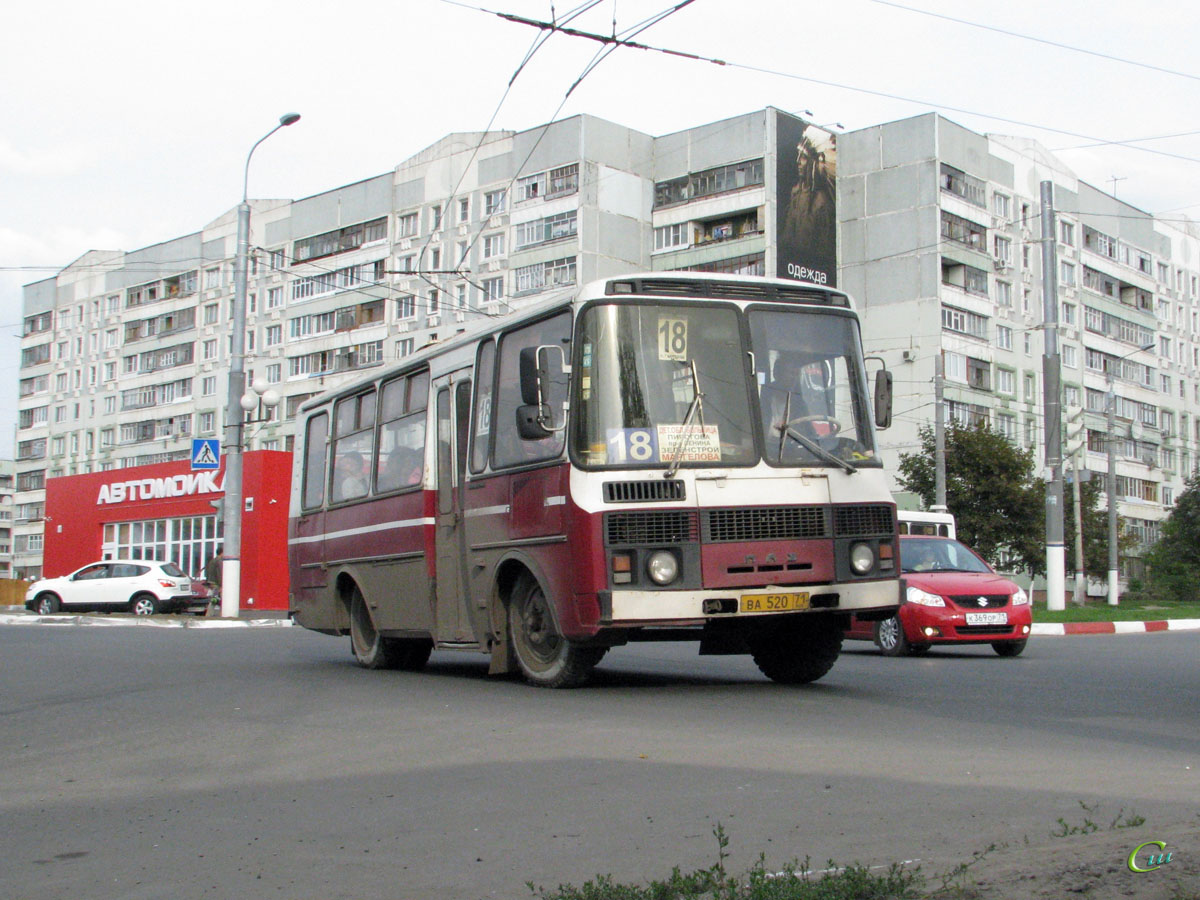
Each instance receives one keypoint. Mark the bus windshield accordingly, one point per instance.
(669, 385)
(812, 388)
(662, 385)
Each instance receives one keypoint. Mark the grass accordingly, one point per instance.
(795, 881)
(1128, 610)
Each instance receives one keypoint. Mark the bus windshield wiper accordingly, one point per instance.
(787, 431)
(818, 450)
(697, 406)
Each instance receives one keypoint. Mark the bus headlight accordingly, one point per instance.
(662, 567)
(862, 559)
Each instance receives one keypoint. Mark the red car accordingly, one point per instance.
(953, 597)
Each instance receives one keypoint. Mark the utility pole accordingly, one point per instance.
(1076, 441)
(1110, 488)
(939, 433)
(1052, 408)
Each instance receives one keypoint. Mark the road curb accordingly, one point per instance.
(1060, 629)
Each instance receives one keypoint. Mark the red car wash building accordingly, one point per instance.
(166, 511)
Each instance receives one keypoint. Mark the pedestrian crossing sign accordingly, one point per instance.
(206, 454)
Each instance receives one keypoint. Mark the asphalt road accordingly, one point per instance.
(147, 763)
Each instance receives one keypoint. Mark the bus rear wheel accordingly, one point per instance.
(373, 651)
(545, 657)
(801, 652)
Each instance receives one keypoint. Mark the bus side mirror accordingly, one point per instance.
(883, 399)
(530, 421)
(532, 376)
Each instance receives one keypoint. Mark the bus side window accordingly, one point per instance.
(315, 449)
(354, 428)
(481, 426)
(510, 450)
(400, 455)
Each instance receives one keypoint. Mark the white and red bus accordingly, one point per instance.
(670, 456)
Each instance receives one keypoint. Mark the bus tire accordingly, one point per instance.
(798, 653)
(545, 657)
(371, 650)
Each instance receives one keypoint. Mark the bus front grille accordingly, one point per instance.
(651, 528)
(765, 523)
(863, 521)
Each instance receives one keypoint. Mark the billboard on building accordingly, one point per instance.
(806, 179)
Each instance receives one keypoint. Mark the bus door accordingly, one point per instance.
(453, 395)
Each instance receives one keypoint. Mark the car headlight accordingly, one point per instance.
(923, 598)
(862, 559)
(662, 567)
(1020, 598)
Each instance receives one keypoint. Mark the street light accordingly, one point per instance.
(1110, 481)
(231, 566)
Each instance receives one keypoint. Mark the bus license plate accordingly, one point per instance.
(774, 602)
(987, 618)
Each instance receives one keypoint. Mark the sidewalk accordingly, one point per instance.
(17, 615)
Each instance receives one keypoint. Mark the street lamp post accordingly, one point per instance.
(231, 566)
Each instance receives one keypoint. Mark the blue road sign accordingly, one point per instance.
(206, 454)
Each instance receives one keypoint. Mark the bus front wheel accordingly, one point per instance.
(546, 658)
(800, 652)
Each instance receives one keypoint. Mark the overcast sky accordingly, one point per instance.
(127, 123)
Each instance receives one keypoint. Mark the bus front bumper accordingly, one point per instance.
(634, 608)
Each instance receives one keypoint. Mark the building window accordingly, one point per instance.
(493, 245)
(343, 239)
(406, 225)
(273, 335)
(1002, 248)
(1004, 337)
(964, 322)
(274, 297)
(207, 422)
(404, 347)
(718, 180)
(959, 183)
(1002, 206)
(464, 210)
(1070, 356)
(495, 202)
(669, 237)
(208, 385)
(1066, 233)
(406, 307)
(1066, 274)
(1006, 382)
(210, 349)
(964, 231)
(1004, 294)
(493, 289)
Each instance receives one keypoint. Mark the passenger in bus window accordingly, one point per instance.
(403, 468)
(348, 477)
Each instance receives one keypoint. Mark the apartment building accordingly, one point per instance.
(125, 354)
(940, 229)
(7, 493)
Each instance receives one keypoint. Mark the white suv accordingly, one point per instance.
(140, 586)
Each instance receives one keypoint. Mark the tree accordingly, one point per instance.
(998, 504)
(1173, 563)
